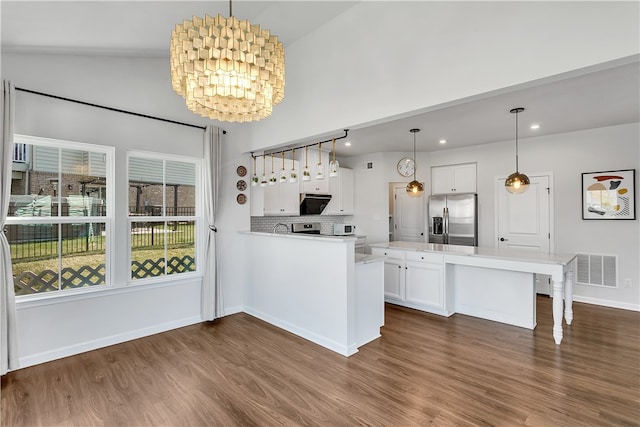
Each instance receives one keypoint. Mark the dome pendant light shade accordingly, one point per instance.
(517, 182)
(415, 188)
(227, 69)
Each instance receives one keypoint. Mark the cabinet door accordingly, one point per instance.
(289, 198)
(453, 179)
(441, 180)
(316, 186)
(346, 191)
(464, 178)
(424, 284)
(394, 279)
(341, 190)
(256, 201)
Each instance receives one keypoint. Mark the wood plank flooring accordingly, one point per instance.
(425, 370)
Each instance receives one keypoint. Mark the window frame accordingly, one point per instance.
(59, 220)
(197, 218)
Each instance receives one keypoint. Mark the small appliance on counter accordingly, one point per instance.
(344, 229)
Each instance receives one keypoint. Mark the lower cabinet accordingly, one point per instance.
(414, 279)
(424, 281)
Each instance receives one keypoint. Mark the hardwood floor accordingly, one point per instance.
(425, 370)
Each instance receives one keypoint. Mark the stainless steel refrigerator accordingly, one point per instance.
(453, 219)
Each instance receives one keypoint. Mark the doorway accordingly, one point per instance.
(407, 219)
(525, 221)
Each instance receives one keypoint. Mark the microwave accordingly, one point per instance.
(344, 229)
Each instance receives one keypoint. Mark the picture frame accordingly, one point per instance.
(609, 195)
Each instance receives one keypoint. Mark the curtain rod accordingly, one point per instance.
(113, 109)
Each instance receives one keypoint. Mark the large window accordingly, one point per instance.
(162, 215)
(58, 224)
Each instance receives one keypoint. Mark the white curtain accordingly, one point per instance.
(211, 290)
(8, 338)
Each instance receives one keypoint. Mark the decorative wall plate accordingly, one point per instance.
(241, 171)
(241, 199)
(241, 185)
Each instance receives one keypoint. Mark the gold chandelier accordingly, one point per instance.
(226, 69)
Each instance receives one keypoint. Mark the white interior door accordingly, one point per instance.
(523, 220)
(408, 216)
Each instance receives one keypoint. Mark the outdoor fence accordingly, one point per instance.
(27, 283)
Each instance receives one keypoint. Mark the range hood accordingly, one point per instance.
(313, 204)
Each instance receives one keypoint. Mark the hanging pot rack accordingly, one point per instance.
(280, 152)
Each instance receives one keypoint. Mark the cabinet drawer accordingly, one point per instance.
(389, 253)
(424, 257)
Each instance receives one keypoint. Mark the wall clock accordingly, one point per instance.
(406, 166)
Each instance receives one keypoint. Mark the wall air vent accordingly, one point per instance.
(597, 270)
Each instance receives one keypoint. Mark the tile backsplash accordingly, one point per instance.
(266, 223)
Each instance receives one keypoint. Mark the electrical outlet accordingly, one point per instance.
(627, 283)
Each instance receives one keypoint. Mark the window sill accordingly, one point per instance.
(37, 300)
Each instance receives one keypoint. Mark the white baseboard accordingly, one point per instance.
(228, 311)
(607, 303)
(72, 350)
(304, 333)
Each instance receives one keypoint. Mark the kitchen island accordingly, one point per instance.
(316, 287)
(490, 283)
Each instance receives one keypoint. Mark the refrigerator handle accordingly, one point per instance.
(445, 220)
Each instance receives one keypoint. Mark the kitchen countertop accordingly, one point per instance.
(367, 258)
(482, 252)
(321, 237)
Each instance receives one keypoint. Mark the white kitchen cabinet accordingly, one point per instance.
(414, 279)
(424, 279)
(283, 198)
(314, 185)
(453, 179)
(341, 190)
(393, 273)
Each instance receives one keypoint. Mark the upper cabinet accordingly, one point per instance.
(282, 198)
(341, 190)
(453, 179)
(314, 185)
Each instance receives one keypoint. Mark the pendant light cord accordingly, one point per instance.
(517, 112)
(230, 9)
(414, 156)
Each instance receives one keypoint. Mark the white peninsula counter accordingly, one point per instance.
(490, 283)
(316, 287)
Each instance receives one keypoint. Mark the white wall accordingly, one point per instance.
(567, 156)
(381, 59)
(140, 85)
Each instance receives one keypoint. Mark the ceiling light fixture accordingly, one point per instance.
(226, 69)
(443, 141)
(534, 126)
(415, 188)
(517, 182)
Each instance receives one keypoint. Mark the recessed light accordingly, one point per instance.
(443, 141)
(534, 126)
(347, 144)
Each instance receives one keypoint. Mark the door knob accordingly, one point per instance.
(502, 239)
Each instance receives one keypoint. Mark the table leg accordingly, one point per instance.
(557, 311)
(568, 297)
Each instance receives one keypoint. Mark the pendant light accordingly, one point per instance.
(254, 178)
(333, 164)
(272, 178)
(306, 175)
(517, 182)
(293, 175)
(283, 173)
(320, 174)
(415, 188)
(263, 181)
